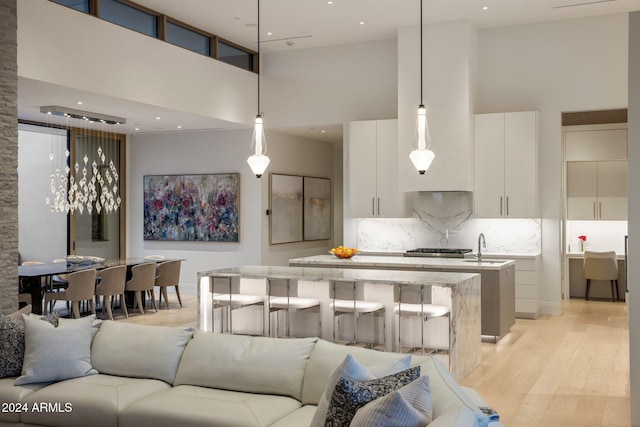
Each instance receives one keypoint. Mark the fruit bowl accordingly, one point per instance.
(343, 252)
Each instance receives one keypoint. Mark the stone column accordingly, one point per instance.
(8, 157)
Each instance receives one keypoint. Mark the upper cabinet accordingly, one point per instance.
(597, 190)
(506, 165)
(373, 173)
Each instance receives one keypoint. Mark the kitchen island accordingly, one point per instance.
(460, 292)
(497, 283)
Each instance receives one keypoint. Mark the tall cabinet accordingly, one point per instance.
(506, 165)
(597, 190)
(373, 170)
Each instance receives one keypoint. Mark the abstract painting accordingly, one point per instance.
(317, 208)
(286, 208)
(192, 207)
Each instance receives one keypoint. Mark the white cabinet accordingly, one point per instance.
(597, 190)
(506, 165)
(373, 176)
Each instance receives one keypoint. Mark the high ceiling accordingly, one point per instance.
(301, 24)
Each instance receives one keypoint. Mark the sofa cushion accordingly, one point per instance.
(243, 363)
(56, 354)
(139, 351)
(299, 417)
(352, 369)
(350, 395)
(88, 401)
(10, 393)
(189, 406)
(409, 406)
(327, 356)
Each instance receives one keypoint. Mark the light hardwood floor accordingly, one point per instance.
(556, 371)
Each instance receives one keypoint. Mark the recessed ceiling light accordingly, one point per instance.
(269, 33)
(485, 7)
(329, 2)
(322, 131)
(79, 102)
(137, 128)
(361, 22)
(179, 127)
(158, 118)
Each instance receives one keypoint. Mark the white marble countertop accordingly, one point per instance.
(503, 255)
(436, 278)
(580, 255)
(399, 262)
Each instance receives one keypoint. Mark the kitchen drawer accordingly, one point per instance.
(526, 277)
(526, 264)
(526, 305)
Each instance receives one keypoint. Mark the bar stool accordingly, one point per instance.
(348, 298)
(601, 266)
(225, 294)
(411, 302)
(282, 295)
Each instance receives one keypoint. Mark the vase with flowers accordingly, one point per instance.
(582, 240)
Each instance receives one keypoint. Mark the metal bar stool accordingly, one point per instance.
(225, 294)
(348, 298)
(282, 295)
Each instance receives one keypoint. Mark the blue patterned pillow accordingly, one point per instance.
(349, 395)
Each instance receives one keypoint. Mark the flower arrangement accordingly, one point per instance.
(582, 239)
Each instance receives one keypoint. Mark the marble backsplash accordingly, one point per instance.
(445, 220)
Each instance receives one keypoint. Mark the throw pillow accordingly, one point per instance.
(350, 395)
(352, 369)
(409, 406)
(18, 314)
(55, 354)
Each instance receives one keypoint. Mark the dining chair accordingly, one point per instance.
(82, 285)
(112, 281)
(282, 295)
(168, 274)
(348, 298)
(412, 301)
(143, 280)
(22, 297)
(601, 266)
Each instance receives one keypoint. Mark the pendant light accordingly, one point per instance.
(422, 156)
(258, 161)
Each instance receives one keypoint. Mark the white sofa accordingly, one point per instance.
(165, 376)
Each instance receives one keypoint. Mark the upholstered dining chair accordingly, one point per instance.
(412, 302)
(82, 285)
(168, 274)
(111, 284)
(601, 266)
(143, 279)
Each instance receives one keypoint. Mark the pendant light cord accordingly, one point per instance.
(259, 70)
(421, 103)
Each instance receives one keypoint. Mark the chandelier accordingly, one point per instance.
(92, 183)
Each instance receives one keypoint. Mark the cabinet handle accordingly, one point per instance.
(373, 206)
(500, 205)
(507, 205)
(594, 210)
(600, 210)
(378, 206)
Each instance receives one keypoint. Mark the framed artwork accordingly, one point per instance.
(286, 208)
(202, 208)
(317, 208)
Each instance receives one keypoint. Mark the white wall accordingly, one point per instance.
(42, 234)
(221, 152)
(554, 67)
(62, 46)
(634, 208)
(331, 85)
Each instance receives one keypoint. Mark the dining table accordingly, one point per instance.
(37, 279)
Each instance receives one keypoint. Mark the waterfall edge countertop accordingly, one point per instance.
(401, 263)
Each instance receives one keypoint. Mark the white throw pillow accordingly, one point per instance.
(350, 368)
(55, 354)
(407, 407)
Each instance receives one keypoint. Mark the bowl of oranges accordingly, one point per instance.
(343, 252)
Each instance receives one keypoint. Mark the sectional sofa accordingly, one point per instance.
(166, 376)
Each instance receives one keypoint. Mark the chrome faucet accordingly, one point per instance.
(481, 244)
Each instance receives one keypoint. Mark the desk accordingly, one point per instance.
(578, 284)
(30, 276)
